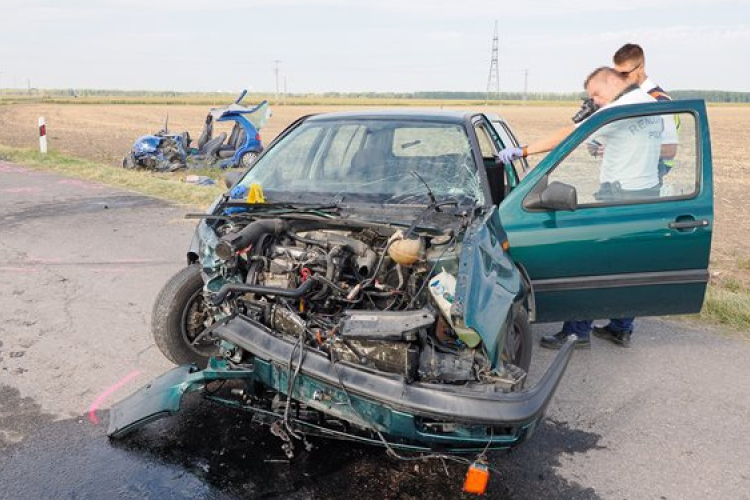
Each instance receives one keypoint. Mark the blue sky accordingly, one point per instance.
(383, 45)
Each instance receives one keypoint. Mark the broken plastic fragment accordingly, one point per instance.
(443, 289)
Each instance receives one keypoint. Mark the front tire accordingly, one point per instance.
(178, 318)
(519, 342)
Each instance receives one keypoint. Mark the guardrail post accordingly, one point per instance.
(42, 136)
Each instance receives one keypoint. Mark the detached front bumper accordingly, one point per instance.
(441, 415)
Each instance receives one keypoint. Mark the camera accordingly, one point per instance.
(588, 108)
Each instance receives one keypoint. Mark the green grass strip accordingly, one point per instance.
(728, 307)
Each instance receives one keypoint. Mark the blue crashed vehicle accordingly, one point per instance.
(167, 152)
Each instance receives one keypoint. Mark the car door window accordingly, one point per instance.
(507, 140)
(496, 174)
(634, 160)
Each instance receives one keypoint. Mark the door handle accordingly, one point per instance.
(688, 224)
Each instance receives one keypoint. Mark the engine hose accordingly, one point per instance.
(360, 357)
(332, 285)
(232, 243)
(329, 273)
(291, 293)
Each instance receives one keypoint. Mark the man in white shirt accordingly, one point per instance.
(630, 62)
(631, 149)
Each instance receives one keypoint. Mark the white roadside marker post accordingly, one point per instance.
(42, 136)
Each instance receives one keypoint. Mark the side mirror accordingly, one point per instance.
(556, 196)
(231, 178)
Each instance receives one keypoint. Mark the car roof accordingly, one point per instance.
(494, 117)
(421, 114)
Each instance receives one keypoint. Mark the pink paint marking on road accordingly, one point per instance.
(104, 395)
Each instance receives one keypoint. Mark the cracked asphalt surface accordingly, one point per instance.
(80, 265)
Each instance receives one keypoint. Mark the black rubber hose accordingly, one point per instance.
(232, 243)
(292, 293)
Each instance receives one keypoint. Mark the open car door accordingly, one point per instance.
(598, 251)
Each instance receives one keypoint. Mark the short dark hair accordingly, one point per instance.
(628, 52)
(602, 70)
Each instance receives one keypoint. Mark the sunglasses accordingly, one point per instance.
(625, 74)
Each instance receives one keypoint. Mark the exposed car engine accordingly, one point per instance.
(359, 294)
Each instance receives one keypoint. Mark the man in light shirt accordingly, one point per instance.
(630, 62)
(631, 151)
(632, 148)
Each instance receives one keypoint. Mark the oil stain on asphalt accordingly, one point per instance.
(211, 452)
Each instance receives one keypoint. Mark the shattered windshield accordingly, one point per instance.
(370, 161)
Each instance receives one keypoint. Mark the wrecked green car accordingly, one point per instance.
(373, 277)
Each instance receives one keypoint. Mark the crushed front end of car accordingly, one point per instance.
(351, 329)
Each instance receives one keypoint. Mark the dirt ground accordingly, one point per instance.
(104, 133)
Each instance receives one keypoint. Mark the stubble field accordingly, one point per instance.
(103, 133)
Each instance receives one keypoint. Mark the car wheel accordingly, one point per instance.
(519, 341)
(247, 159)
(178, 319)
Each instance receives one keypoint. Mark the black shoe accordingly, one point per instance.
(619, 338)
(558, 340)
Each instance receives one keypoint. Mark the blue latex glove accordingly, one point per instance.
(239, 192)
(508, 155)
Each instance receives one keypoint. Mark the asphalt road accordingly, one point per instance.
(80, 265)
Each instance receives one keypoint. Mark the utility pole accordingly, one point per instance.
(28, 85)
(276, 71)
(525, 85)
(284, 90)
(493, 80)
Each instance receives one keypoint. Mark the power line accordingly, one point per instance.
(525, 85)
(493, 80)
(276, 70)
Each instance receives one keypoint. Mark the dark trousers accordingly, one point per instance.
(664, 169)
(583, 328)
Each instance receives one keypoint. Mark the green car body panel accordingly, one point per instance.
(621, 259)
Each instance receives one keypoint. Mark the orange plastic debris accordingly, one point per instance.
(477, 478)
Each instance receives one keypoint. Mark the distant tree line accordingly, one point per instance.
(712, 95)
(718, 96)
(708, 95)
